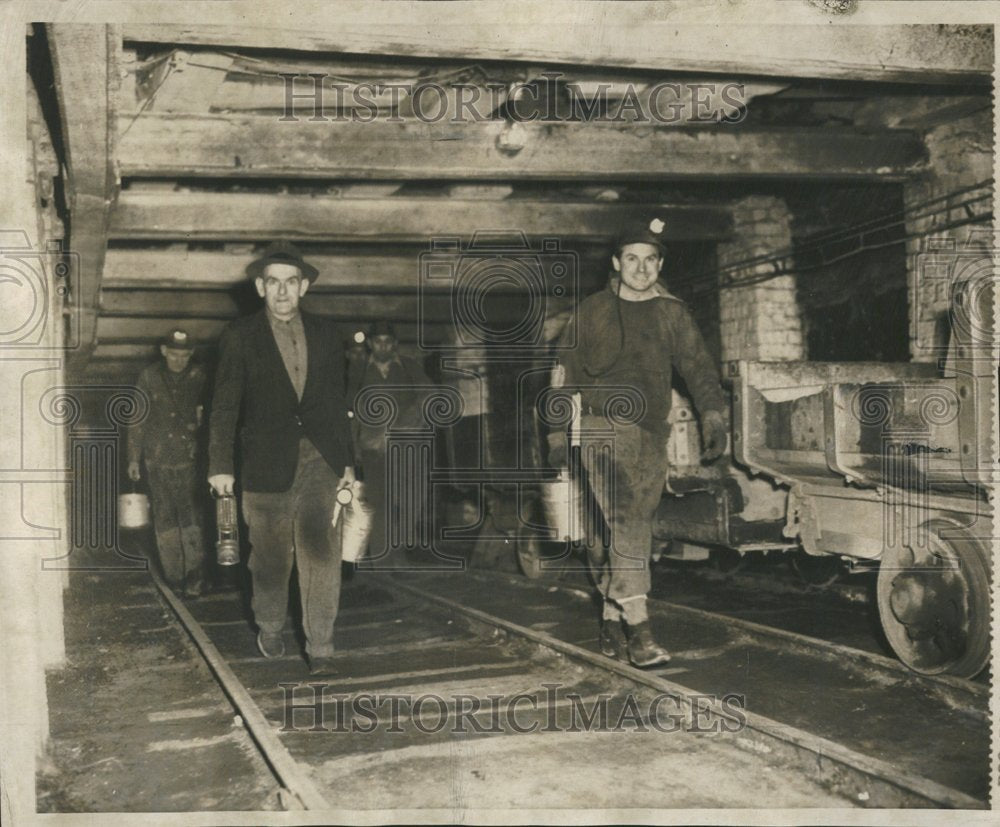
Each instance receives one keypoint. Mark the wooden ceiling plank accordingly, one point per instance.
(233, 146)
(634, 36)
(143, 332)
(194, 215)
(152, 269)
(358, 307)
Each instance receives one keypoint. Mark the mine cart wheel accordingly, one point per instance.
(529, 554)
(816, 571)
(934, 602)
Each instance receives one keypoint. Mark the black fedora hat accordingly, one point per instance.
(282, 252)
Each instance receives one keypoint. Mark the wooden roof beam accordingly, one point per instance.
(364, 307)
(86, 61)
(634, 36)
(232, 146)
(194, 215)
(114, 332)
(146, 270)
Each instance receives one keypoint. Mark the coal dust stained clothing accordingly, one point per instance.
(627, 350)
(405, 382)
(167, 437)
(167, 440)
(638, 349)
(177, 495)
(294, 444)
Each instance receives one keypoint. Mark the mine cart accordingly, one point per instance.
(888, 464)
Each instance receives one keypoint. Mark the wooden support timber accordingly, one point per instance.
(634, 35)
(261, 146)
(85, 62)
(151, 269)
(197, 215)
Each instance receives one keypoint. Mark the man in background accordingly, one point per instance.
(167, 440)
(387, 372)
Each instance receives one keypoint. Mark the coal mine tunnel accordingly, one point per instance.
(410, 422)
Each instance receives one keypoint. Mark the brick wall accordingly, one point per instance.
(960, 155)
(760, 321)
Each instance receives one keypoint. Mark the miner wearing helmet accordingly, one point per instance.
(618, 352)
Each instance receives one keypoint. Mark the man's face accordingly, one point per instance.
(281, 286)
(383, 347)
(176, 359)
(639, 265)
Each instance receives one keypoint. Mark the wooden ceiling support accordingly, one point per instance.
(609, 34)
(86, 60)
(235, 146)
(198, 215)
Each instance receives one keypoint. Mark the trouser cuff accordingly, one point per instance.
(611, 611)
(634, 609)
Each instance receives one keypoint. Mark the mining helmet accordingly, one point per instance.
(381, 328)
(642, 231)
(178, 340)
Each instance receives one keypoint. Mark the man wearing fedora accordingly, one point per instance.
(281, 377)
(619, 353)
(167, 441)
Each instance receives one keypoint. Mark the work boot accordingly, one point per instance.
(322, 665)
(270, 644)
(612, 640)
(643, 650)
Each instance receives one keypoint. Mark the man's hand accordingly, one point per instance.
(222, 484)
(558, 450)
(713, 435)
(133, 471)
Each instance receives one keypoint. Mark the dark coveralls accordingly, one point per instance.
(407, 385)
(622, 366)
(167, 440)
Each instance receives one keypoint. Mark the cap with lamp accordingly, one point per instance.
(642, 232)
(178, 340)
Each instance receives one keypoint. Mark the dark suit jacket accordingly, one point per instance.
(251, 378)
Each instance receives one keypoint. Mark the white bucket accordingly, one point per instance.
(133, 511)
(356, 519)
(563, 498)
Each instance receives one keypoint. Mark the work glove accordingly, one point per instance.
(558, 449)
(713, 435)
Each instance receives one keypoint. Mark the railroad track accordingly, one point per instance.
(478, 646)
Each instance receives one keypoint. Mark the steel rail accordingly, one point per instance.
(858, 776)
(286, 769)
(948, 684)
